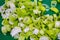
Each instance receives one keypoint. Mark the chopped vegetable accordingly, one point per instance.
(24, 19)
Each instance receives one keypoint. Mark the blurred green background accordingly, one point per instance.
(8, 36)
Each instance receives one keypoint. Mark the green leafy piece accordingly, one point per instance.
(34, 37)
(22, 36)
(51, 25)
(28, 34)
(27, 20)
(12, 18)
(4, 30)
(31, 27)
(52, 34)
(5, 22)
(8, 28)
(15, 23)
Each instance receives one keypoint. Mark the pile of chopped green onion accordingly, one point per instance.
(25, 18)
